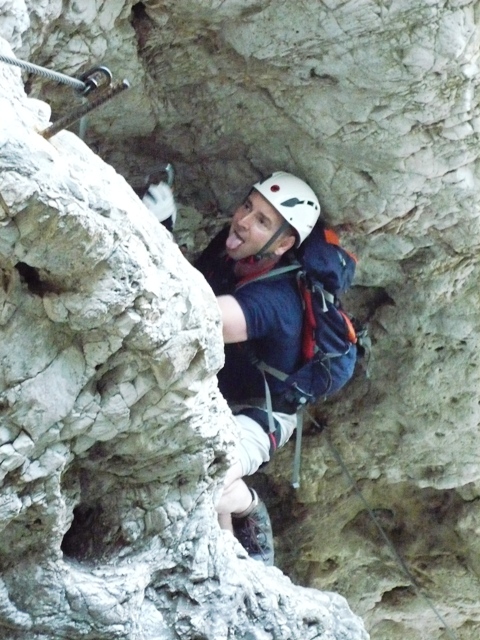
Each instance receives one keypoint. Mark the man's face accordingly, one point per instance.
(254, 223)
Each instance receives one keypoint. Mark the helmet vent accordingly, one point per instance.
(292, 202)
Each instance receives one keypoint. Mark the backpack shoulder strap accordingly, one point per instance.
(273, 274)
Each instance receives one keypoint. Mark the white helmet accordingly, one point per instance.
(293, 199)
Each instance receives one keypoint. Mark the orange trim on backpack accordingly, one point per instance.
(332, 238)
(352, 255)
(351, 333)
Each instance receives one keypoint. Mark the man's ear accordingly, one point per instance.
(284, 244)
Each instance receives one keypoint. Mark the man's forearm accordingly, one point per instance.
(234, 323)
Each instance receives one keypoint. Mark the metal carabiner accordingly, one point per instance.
(169, 169)
(93, 79)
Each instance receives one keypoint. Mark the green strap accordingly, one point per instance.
(280, 271)
(273, 273)
(266, 368)
(269, 405)
(298, 451)
(298, 442)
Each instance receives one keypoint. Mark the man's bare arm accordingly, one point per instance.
(234, 323)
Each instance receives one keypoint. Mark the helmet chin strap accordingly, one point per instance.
(264, 253)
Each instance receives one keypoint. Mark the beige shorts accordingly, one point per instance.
(254, 446)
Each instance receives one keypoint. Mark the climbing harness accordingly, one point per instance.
(397, 557)
(98, 77)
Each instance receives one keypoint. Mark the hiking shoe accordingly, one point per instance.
(254, 532)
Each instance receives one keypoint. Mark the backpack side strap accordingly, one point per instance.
(263, 418)
(298, 451)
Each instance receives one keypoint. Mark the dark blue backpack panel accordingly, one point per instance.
(333, 364)
(330, 263)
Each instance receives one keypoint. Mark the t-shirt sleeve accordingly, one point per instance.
(264, 307)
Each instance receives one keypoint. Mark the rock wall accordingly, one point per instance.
(375, 104)
(114, 437)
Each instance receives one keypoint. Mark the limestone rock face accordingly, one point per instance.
(112, 427)
(114, 438)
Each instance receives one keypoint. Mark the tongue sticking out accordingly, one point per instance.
(233, 241)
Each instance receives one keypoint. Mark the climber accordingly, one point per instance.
(262, 318)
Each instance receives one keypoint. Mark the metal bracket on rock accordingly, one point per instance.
(81, 111)
(98, 77)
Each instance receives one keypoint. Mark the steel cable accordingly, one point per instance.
(46, 73)
(336, 454)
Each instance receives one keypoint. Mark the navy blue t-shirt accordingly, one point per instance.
(273, 313)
